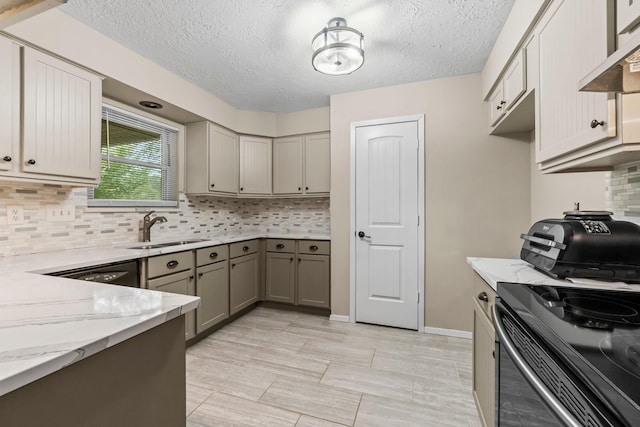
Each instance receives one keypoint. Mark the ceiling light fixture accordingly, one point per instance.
(337, 49)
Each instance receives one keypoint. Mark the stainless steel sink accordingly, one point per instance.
(167, 244)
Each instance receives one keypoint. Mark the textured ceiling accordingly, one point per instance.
(256, 54)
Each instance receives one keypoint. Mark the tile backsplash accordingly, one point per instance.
(623, 192)
(195, 216)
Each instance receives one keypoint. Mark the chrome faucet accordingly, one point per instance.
(147, 223)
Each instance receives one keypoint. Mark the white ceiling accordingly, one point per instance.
(256, 54)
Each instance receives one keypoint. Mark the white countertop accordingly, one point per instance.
(47, 323)
(494, 270)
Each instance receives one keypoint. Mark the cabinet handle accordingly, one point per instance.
(7, 158)
(241, 188)
(299, 259)
(595, 123)
(290, 259)
(31, 161)
(499, 107)
(313, 248)
(299, 188)
(245, 248)
(213, 185)
(191, 277)
(482, 296)
(279, 246)
(200, 275)
(503, 102)
(306, 188)
(213, 255)
(172, 264)
(233, 266)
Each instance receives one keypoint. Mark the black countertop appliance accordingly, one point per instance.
(584, 244)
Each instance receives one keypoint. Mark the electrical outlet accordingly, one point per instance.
(61, 213)
(15, 215)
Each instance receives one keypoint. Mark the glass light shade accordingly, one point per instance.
(337, 49)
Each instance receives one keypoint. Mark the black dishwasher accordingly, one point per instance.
(119, 273)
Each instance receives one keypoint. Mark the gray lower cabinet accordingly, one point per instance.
(313, 280)
(243, 275)
(212, 286)
(484, 344)
(178, 283)
(281, 277)
(298, 272)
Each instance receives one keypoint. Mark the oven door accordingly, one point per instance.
(526, 375)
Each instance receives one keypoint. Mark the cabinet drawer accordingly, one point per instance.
(169, 263)
(281, 245)
(484, 295)
(243, 248)
(316, 247)
(206, 256)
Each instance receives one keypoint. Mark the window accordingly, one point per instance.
(138, 162)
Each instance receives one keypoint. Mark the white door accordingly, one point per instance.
(386, 224)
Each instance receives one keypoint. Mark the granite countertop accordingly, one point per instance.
(495, 270)
(47, 323)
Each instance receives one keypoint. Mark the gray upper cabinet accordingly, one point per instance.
(61, 118)
(9, 104)
(211, 159)
(255, 165)
(302, 165)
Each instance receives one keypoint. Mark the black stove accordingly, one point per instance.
(593, 332)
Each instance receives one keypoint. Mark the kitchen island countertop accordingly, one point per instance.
(496, 270)
(48, 323)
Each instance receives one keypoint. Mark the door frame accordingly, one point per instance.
(419, 118)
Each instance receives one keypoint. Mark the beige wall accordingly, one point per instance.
(552, 194)
(477, 189)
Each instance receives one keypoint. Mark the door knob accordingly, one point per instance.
(362, 235)
(595, 123)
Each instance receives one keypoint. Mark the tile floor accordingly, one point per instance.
(282, 368)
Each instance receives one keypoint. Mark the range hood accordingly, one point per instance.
(619, 73)
(14, 11)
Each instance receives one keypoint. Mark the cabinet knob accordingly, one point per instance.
(7, 158)
(213, 255)
(213, 185)
(595, 123)
(299, 188)
(299, 259)
(172, 264)
(241, 188)
(290, 259)
(200, 275)
(31, 161)
(499, 107)
(503, 102)
(482, 296)
(245, 248)
(306, 188)
(233, 266)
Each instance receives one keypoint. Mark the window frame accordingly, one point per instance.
(128, 204)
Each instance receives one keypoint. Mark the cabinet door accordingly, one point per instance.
(212, 286)
(515, 82)
(317, 163)
(179, 283)
(576, 36)
(9, 104)
(287, 165)
(313, 281)
(243, 282)
(484, 366)
(627, 14)
(255, 165)
(62, 118)
(496, 104)
(281, 277)
(223, 160)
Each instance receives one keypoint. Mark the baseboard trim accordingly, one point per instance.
(448, 332)
(339, 318)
